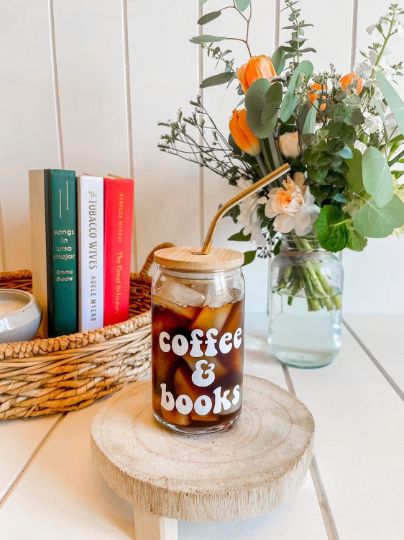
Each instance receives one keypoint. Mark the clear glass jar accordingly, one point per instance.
(197, 348)
(305, 301)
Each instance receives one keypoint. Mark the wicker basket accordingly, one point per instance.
(67, 373)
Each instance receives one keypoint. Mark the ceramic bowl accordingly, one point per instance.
(20, 316)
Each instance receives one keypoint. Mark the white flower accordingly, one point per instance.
(372, 124)
(360, 146)
(384, 60)
(400, 29)
(363, 69)
(391, 124)
(292, 206)
(248, 214)
(370, 28)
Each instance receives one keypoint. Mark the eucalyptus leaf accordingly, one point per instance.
(294, 26)
(377, 176)
(332, 231)
(376, 222)
(278, 60)
(289, 105)
(249, 256)
(354, 176)
(215, 80)
(356, 241)
(209, 17)
(206, 39)
(240, 237)
(305, 67)
(393, 100)
(262, 102)
(291, 100)
(242, 5)
(273, 100)
(310, 123)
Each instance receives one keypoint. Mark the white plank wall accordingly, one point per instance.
(84, 82)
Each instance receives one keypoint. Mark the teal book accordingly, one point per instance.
(61, 227)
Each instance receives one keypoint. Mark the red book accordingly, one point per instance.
(118, 221)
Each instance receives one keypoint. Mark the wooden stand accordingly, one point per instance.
(238, 474)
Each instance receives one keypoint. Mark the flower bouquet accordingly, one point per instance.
(341, 135)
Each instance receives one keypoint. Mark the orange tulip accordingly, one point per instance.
(242, 134)
(258, 67)
(317, 94)
(351, 78)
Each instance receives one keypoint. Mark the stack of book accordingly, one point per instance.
(81, 232)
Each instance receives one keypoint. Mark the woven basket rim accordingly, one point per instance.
(79, 339)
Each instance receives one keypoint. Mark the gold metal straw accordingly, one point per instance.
(271, 177)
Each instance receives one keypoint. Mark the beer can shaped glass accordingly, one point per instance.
(197, 339)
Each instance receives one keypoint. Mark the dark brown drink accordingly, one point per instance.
(197, 362)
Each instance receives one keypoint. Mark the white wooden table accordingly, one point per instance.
(49, 488)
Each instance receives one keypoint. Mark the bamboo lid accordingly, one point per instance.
(189, 258)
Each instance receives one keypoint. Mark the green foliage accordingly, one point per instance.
(242, 5)
(262, 102)
(354, 176)
(278, 60)
(346, 133)
(356, 241)
(294, 49)
(215, 80)
(377, 177)
(375, 222)
(240, 237)
(332, 231)
(273, 100)
(393, 100)
(206, 39)
(310, 122)
(289, 105)
(346, 153)
(343, 113)
(290, 101)
(319, 192)
(209, 17)
(249, 256)
(339, 197)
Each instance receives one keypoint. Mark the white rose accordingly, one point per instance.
(289, 145)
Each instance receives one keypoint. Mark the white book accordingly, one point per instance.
(38, 245)
(90, 199)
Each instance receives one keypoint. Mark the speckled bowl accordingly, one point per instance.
(20, 316)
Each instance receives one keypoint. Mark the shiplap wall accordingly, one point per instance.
(84, 82)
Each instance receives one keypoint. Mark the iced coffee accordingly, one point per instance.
(197, 348)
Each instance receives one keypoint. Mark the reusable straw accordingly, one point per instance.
(271, 177)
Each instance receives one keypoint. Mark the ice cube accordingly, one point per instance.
(176, 292)
(222, 297)
(211, 318)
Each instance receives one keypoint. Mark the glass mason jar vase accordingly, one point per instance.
(197, 347)
(305, 301)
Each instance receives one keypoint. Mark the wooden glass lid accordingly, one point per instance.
(189, 258)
